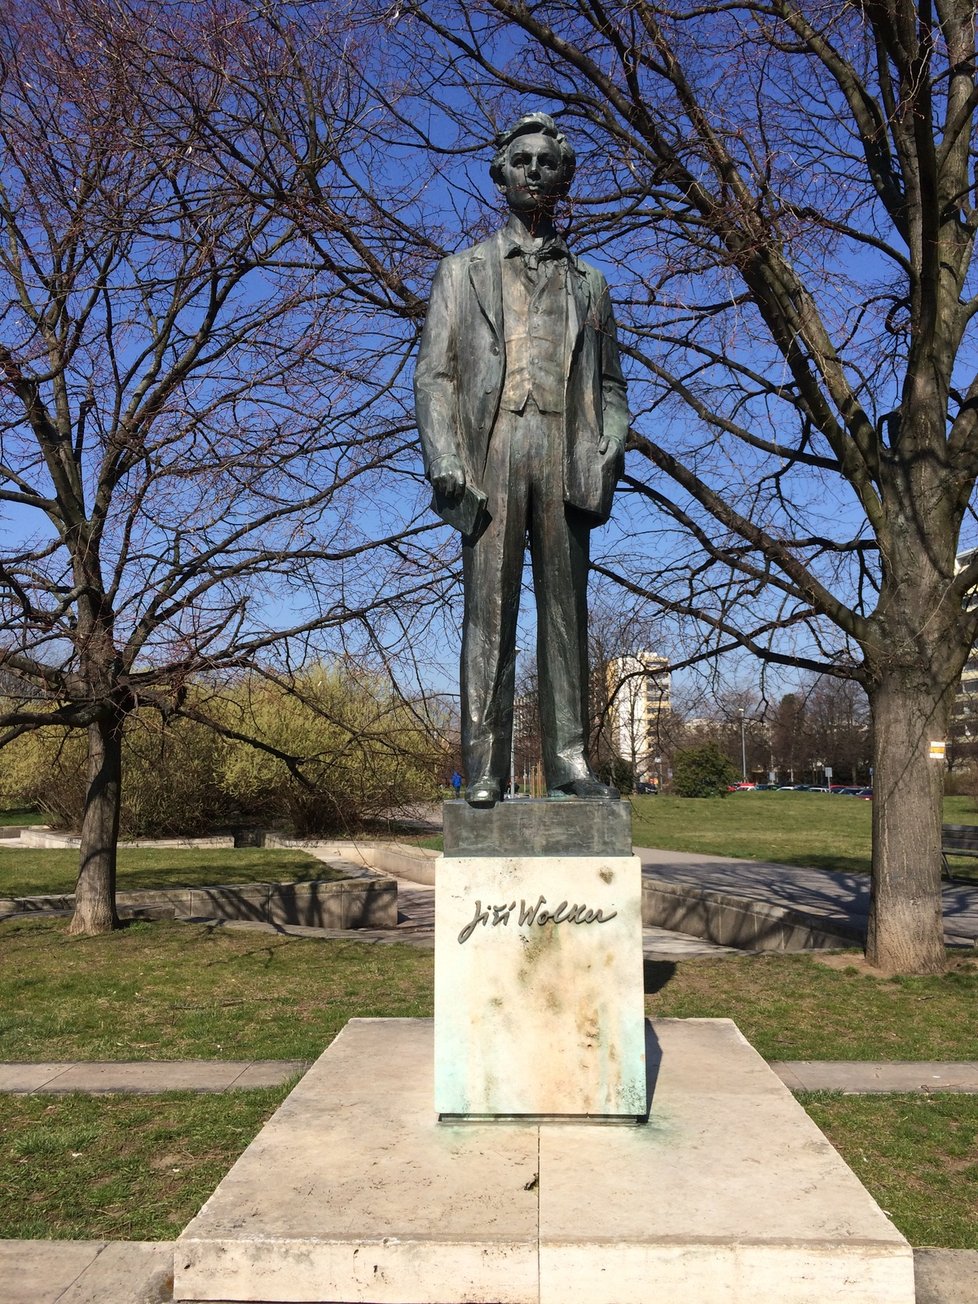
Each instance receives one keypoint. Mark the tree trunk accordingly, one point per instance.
(95, 889)
(906, 930)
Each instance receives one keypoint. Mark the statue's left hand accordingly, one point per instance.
(605, 443)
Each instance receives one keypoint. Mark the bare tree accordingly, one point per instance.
(204, 322)
(787, 190)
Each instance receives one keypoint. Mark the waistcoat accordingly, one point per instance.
(534, 326)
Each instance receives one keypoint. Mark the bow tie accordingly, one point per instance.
(532, 258)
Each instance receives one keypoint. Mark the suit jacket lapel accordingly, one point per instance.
(485, 274)
(578, 300)
(578, 306)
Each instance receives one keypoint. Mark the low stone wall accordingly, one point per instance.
(362, 901)
(49, 839)
(417, 864)
(740, 922)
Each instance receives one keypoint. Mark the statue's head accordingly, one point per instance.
(533, 142)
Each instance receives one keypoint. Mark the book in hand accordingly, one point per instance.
(468, 513)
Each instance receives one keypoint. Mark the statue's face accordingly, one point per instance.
(532, 174)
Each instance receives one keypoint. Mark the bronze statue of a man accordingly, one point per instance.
(522, 413)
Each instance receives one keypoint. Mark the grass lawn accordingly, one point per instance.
(20, 818)
(193, 991)
(917, 1155)
(790, 828)
(196, 991)
(132, 1167)
(795, 1007)
(128, 1168)
(35, 872)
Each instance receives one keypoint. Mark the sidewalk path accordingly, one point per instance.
(859, 1078)
(146, 1077)
(834, 897)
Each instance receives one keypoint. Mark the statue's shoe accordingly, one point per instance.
(484, 792)
(588, 789)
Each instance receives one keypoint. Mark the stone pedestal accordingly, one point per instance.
(529, 827)
(539, 1007)
(539, 1003)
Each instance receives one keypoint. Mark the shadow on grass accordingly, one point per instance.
(657, 973)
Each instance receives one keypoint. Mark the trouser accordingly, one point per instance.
(523, 482)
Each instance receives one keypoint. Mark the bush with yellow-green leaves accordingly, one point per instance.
(335, 748)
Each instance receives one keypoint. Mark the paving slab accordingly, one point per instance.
(730, 1194)
(86, 1272)
(854, 1077)
(946, 1276)
(146, 1076)
(352, 1191)
(31, 1077)
(355, 1192)
(866, 1077)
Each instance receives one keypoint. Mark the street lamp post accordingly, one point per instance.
(743, 745)
(512, 736)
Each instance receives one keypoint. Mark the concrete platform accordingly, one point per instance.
(354, 1192)
(60, 1272)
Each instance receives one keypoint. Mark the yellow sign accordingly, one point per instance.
(938, 750)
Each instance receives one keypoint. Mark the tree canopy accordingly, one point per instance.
(202, 326)
(784, 195)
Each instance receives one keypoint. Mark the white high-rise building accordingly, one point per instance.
(964, 713)
(639, 691)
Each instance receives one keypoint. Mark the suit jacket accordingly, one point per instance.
(459, 374)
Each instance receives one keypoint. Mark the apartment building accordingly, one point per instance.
(639, 689)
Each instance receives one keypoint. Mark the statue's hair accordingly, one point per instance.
(530, 123)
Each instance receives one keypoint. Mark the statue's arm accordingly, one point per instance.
(435, 386)
(613, 393)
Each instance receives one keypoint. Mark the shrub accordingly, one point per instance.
(363, 751)
(619, 773)
(169, 777)
(702, 772)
